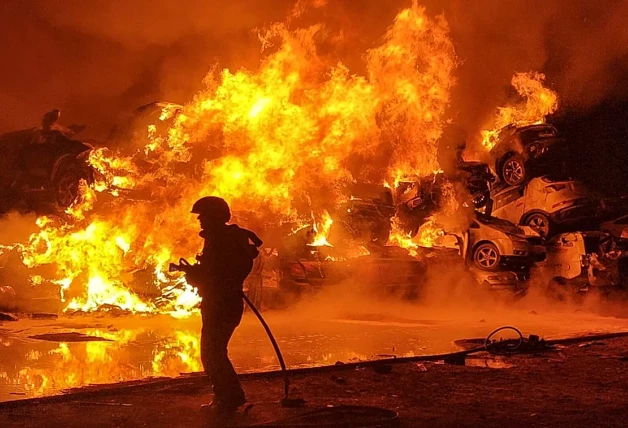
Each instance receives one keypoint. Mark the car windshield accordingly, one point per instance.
(503, 225)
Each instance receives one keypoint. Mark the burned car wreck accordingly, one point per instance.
(296, 263)
(42, 166)
(522, 152)
(418, 198)
(508, 281)
(579, 262)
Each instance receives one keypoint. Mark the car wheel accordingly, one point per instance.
(486, 256)
(513, 170)
(540, 223)
(65, 181)
(66, 187)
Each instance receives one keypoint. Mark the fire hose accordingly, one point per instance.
(286, 401)
(346, 416)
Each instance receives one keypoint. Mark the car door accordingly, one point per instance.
(510, 204)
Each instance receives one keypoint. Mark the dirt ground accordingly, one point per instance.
(579, 385)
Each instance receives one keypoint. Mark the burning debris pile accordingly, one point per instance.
(301, 143)
(279, 143)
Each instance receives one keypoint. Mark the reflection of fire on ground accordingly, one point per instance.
(277, 143)
(98, 362)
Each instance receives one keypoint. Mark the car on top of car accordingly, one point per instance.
(523, 152)
(492, 244)
(43, 166)
(545, 203)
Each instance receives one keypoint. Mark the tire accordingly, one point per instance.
(65, 182)
(513, 170)
(486, 257)
(540, 223)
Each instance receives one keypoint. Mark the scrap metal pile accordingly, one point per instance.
(348, 178)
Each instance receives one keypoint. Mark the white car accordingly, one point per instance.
(492, 243)
(543, 203)
(577, 261)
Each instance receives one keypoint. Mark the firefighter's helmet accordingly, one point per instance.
(213, 206)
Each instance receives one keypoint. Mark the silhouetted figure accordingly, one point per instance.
(226, 261)
(49, 119)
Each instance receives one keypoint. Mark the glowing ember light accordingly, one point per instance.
(122, 244)
(428, 233)
(322, 228)
(258, 107)
(101, 292)
(402, 239)
(36, 279)
(539, 103)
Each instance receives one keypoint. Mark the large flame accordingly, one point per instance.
(278, 142)
(538, 102)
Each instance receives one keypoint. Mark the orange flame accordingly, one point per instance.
(265, 141)
(322, 228)
(539, 103)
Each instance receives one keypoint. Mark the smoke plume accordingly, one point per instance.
(100, 59)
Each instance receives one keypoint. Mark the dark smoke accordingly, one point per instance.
(99, 59)
(96, 60)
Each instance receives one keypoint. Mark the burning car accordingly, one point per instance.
(523, 152)
(419, 198)
(42, 165)
(134, 127)
(365, 217)
(390, 271)
(544, 203)
(579, 261)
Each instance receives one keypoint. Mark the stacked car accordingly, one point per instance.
(547, 204)
(535, 191)
(530, 220)
(577, 262)
(41, 168)
(521, 152)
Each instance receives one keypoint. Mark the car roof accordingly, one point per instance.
(21, 135)
(536, 126)
(509, 131)
(157, 105)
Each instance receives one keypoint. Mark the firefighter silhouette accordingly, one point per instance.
(226, 260)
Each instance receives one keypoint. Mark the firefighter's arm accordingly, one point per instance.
(254, 238)
(196, 276)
